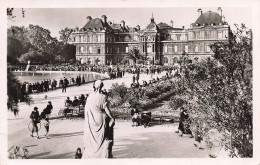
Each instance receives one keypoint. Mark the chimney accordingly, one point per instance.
(104, 18)
(123, 24)
(138, 27)
(89, 18)
(183, 27)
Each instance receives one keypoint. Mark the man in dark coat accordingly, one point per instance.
(35, 117)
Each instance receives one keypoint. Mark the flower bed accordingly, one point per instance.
(123, 99)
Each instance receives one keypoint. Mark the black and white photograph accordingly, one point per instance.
(140, 82)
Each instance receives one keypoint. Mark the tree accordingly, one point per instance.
(65, 35)
(218, 92)
(33, 56)
(68, 52)
(13, 88)
(41, 40)
(135, 56)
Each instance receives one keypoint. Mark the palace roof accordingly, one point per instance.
(96, 24)
(208, 18)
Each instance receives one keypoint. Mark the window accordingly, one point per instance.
(90, 38)
(90, 49)
(153, 48)
(197, 35)
(81, 49)
(196, 48)
(175, 48)
(79, 38)
(107, 49)
(178, 36)
(212, 35)
(126, 49)
(165, 48)
(98, 50)
(84, 38)
(207, 48)
(186, 48)
(136, 38)
(149, 48)
(94, 38)
(220, 35)
(143, 48)
(170, 48)
(207, 35)
(117, 49)
(98, 38)
(202, 33)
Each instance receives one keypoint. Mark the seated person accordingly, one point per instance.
(82, 99)
(68, 102)
(135, 119)
(48, 109)
(133, 111)
(75, 101)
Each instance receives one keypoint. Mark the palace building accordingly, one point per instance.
(102, 42)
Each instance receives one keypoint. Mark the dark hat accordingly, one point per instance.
(35, 108)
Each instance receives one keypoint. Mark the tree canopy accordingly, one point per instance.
(218, 93)
(25, 42)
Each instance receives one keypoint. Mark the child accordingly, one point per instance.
(78, 154)
(198, 137)
(47, 126)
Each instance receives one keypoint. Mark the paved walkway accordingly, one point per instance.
(158, 141)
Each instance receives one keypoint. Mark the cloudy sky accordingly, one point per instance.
(55, 19)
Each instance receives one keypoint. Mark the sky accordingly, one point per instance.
(56, 19)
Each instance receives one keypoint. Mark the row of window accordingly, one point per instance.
(175, 48)
(220, 34)
(149, 49)
(80, 49)
(192, 48)
(177, 37)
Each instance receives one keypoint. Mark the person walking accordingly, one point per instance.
(99, 122)
(47, 127)
(35, 117)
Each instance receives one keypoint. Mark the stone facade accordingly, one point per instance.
(103, 42)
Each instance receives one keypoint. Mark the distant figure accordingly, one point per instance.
(47, 127)
(35, 117)
(78, 154)
(99, 122)
(75, 101)
(68, 102)
(16, 111)
(133, 78)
